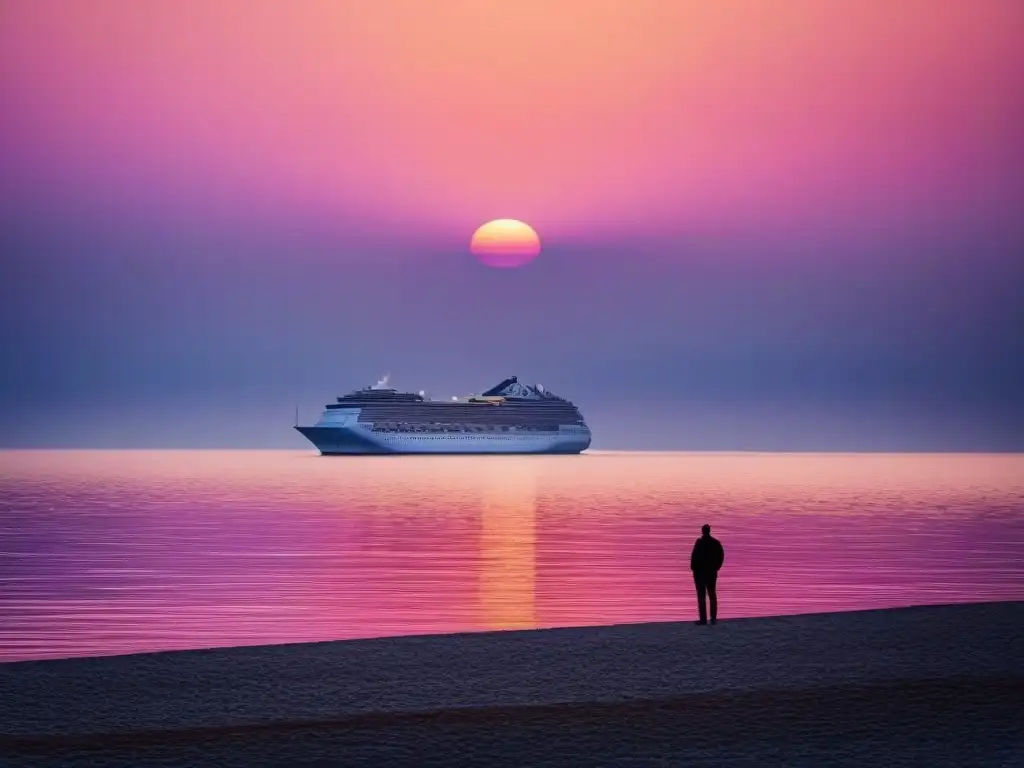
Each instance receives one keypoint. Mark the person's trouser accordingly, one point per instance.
(706, 586)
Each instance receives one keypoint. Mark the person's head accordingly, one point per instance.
(705, 530)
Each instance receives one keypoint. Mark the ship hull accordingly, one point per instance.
(358, 441)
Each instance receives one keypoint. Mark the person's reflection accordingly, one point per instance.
(508, 514)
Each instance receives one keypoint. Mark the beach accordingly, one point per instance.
(933, 685)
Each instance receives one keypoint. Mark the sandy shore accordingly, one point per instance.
(917, 686)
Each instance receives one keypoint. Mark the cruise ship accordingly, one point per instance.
(509, 418)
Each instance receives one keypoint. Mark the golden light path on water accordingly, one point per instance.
(508, 544)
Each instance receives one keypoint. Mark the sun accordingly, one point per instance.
(505, 243)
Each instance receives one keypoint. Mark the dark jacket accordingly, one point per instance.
(707, 556)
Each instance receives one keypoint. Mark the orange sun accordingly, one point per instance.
(505, 243)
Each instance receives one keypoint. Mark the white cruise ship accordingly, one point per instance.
(509, 418)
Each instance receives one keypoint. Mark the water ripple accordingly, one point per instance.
(114, 552)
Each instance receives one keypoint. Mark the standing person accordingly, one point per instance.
(705, 561)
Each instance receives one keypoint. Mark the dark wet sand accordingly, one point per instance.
(931, 686)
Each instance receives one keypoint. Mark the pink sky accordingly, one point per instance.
(644, 115)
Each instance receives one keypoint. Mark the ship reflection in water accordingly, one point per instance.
(115, 552)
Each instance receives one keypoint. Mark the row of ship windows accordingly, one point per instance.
(455, 418)
(433, 429)
(462, 409)
(467, 437)
(452, 405)
(511, 420)
(458, 407)
(399, 426)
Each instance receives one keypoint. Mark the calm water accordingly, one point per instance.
(115, 552)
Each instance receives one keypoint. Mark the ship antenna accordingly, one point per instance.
(296, 415)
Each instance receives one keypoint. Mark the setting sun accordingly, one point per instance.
(505, 243)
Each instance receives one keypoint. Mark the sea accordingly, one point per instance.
(116, 552)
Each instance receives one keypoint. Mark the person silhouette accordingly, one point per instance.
(705, 561)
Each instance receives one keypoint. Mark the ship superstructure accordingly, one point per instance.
(511, 417)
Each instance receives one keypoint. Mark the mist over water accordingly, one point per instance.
(109, 552)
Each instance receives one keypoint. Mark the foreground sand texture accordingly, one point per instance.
(917, 686)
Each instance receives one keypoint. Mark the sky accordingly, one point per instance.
(765, 226)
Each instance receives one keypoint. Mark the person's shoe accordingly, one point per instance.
(714, 621)
(700, 623)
